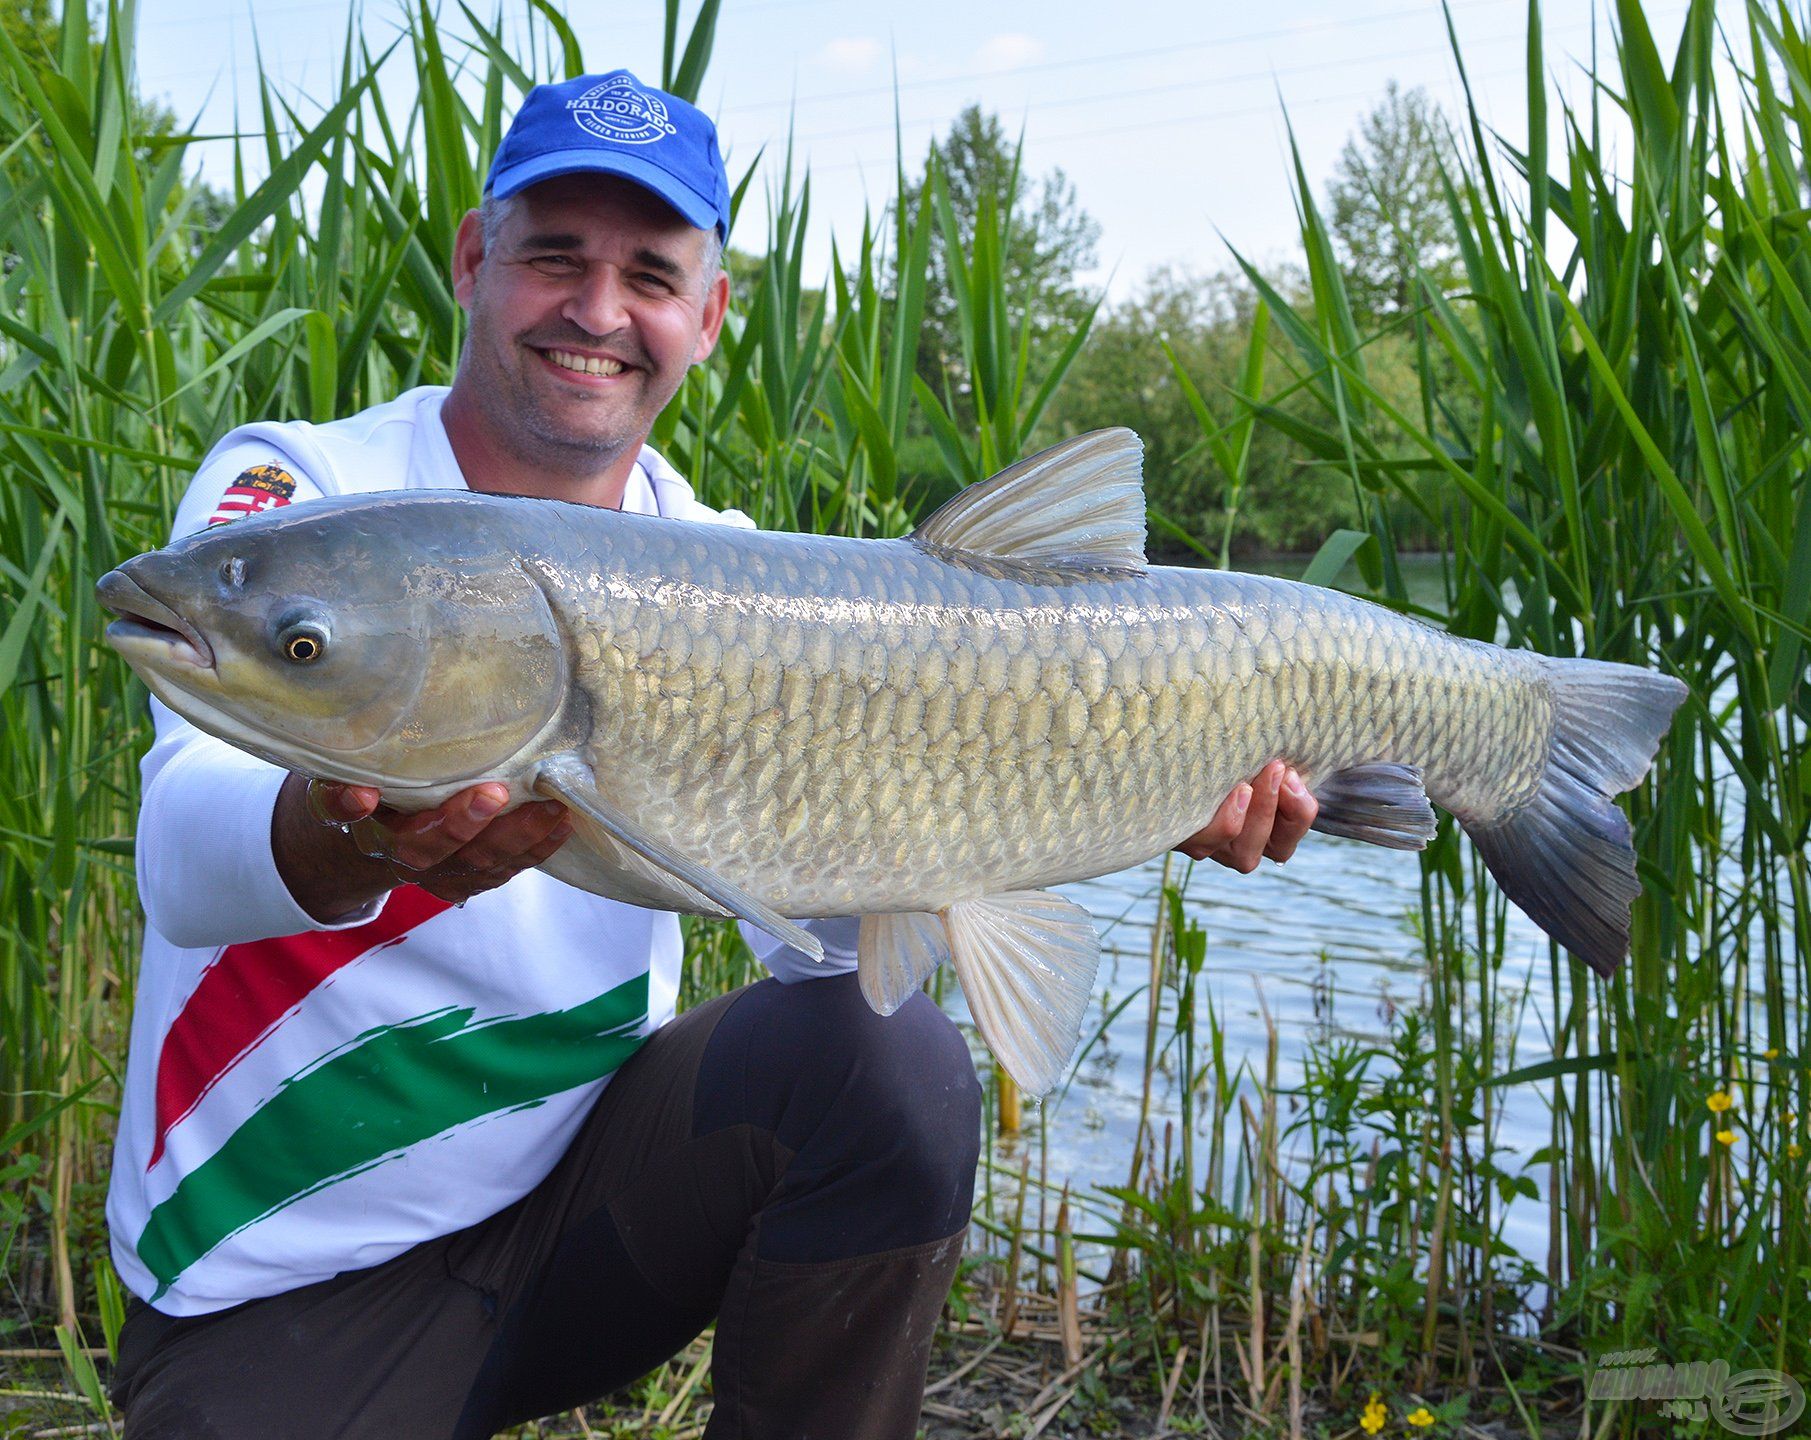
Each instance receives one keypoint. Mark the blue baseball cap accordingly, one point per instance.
(614, 125)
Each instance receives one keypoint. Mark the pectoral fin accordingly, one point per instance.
(568, 779)
(1026, 961)
(895, 954)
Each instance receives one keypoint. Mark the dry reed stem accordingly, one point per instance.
(686, 1387)
(1292, 1339)
(1011, 1106)
(1254, 1373)
(1042, 1423)
(1169, 1388)
(1067, 1295)
(1436, 1263)
(964, 1368)
(1010, 1312)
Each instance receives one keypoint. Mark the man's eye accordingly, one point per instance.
(553, 264)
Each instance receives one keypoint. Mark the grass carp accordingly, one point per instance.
(927, 732)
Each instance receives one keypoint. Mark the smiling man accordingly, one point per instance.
(395, 1164)
(589, 299)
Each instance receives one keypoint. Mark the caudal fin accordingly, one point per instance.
(1564, 857)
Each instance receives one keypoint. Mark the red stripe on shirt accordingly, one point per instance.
(248, 990)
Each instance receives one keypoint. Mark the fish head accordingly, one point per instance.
(372, 640)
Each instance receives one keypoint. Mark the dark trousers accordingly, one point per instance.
(781, 1159)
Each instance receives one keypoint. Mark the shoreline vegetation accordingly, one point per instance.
(1596, 409)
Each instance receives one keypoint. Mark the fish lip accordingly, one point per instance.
(143, 617)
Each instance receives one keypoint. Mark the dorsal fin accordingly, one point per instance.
(1078, 506)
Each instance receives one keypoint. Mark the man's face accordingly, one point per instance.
(586, 312)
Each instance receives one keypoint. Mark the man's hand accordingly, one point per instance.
(338, 848)
(1267, 817)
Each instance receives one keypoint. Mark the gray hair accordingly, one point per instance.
(493, 214)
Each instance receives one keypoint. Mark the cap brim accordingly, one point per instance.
(693, 207)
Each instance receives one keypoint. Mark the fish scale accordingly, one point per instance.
(928, 733)
(1000, 746)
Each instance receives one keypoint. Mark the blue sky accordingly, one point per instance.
(1169, 118)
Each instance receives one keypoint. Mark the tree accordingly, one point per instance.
(1387, 207)
(35, 28)
(1124, 377)
(31, 26)
(1050, 238)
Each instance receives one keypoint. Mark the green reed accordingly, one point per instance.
(1616, 416)
(1612, 440)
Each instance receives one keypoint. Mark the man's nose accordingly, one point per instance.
(599, 303)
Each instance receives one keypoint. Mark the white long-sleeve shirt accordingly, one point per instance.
(303, 1099)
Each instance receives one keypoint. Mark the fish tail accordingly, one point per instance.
(1564, 856)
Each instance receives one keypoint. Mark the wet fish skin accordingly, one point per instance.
(929, 732)
(852, 726)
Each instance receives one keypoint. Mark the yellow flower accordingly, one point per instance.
(1772, 1052)
(1373, 1419)
(1726, 1137)
(1795, 1150)
(1788, 1116)
(1421, 1416)
(1719, 1101)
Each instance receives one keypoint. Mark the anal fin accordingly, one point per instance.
(1383, 804)
(1026, 961)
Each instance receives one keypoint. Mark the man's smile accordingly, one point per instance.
(574, 362)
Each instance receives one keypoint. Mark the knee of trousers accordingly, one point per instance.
(879, 1116)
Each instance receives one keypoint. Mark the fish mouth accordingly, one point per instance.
(147, 629)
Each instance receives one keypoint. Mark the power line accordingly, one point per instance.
(1112, 57)
(1197, 83)
(1201, 117)
(1278, 74)
(1119, 57)
(943, 81)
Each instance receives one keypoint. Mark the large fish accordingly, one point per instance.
(928, 732)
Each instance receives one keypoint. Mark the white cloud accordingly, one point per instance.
(1009, 51)
(851, 54)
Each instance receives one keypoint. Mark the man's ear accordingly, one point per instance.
(468, 255)
(716, 306)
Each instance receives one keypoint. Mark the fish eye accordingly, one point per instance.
(232, 572)
(303, 644)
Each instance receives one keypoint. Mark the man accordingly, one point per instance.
(395, 1164)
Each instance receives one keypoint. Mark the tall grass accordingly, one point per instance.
(1614, 422)
(1636, 348)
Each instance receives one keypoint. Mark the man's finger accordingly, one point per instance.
(468, 882)
(423, 841)
(332, 803)
(504, 842)
(549, 847)
(1296, 809)
(1247, 847)
(1227, 822)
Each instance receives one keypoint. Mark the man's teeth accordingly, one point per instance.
(585, 364)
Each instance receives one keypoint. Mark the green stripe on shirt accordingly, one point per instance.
(393, 1088)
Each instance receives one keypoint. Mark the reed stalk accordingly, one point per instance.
(1610, 434)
